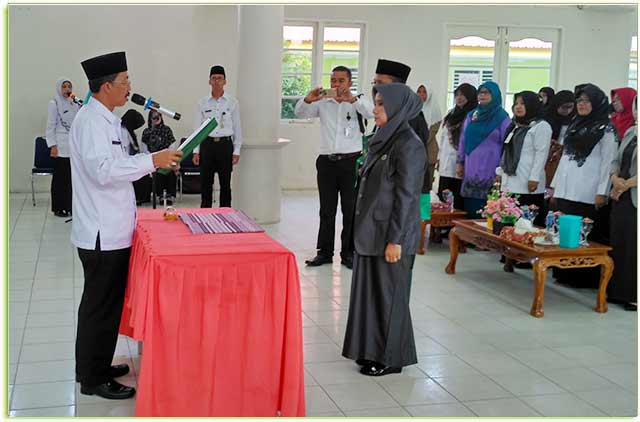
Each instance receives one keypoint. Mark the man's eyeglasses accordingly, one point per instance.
(217, 78)
(126, 82)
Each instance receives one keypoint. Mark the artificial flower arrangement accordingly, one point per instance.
(502, 207)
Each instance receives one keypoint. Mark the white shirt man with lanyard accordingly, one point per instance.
(340, 147)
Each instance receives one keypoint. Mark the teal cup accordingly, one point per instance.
(570, 226)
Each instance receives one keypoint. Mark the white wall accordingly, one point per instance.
(594, 47)
(169, 52)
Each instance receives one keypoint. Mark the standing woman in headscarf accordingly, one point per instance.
(546, 95)
(622, 117)
(623, 287)
(433, 116)
(158, 136)
(131, 121)
(561, 110)
(379, 334)
(466, 98)
(525, 152)
(581, 183)
(480, 147)
(62, 111)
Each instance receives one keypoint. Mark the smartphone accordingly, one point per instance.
(329, 92)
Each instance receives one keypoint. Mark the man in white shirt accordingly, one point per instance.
(104, 214)
(221, 150)
(340, 147)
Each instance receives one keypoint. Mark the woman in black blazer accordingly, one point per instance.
(386, 230)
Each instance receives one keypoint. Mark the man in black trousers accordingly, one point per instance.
(104, 216)
(220, 151)
(340, 147)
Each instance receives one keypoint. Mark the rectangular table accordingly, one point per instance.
(541, 257)
(221, 321)
(439, 219)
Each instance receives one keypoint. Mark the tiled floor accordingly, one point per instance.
(480, 353)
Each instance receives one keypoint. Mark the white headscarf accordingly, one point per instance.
(64, 104)
(431, 108)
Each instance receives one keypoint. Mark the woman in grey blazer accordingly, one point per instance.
(379, 334)
(624, 176)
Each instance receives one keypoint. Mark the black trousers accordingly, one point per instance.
(105, 279)
(165, 181)
(216, 157)
(336, 178)
(61, 185)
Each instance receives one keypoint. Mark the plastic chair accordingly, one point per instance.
(43, 164)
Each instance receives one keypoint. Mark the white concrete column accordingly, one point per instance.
(257, 177)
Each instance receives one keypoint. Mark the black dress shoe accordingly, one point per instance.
(115, 371)
(319, 260)
(377, 370)
(111, 390)
(363, 362)
(630, 307)
(347, 262)
(60, 214)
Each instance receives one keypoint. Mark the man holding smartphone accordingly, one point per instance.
(340, 147)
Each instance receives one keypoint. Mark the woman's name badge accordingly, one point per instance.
(347, 132)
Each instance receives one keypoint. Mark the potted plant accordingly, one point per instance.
(502, 208)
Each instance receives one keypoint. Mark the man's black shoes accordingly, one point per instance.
(115, 371)
(347, 262)
(111, 390)
(319, 260)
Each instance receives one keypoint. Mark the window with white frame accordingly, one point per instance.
(517, 59)
(307, 59)
(633, 63)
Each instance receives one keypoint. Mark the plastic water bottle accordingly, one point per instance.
(549, 226)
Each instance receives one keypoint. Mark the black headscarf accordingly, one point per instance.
(550, 93)
(557, 120)
(157, 137)
(586, 131)
(132, 120)
(453, 120)
(401, 105)
(517, 130)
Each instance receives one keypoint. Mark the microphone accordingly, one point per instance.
(76, 99)
(148, 103)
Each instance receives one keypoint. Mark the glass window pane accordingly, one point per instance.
(296, 85)
(300, 37)
(530, 52)
(527, 79)
(288, 106)
(296, 61)
(633, 63)
(470, 61)
(342, 39)
(471, 51)
(331, 59)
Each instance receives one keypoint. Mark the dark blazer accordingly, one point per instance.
(388, 203)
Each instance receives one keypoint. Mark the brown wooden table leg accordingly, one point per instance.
(453, 250)
(606, 270)
(423, 226)
(539, 277)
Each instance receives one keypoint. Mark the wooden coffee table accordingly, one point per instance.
(541, 257)
(439, 219)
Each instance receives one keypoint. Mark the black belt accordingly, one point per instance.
(219, 138)
(338, 157)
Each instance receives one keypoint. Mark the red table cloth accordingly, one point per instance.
(220, 319)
